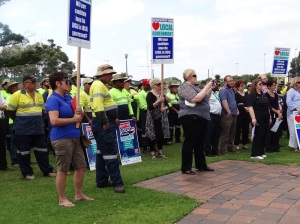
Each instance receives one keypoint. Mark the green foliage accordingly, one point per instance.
(38, 58)
(7, 37)
(172, 79)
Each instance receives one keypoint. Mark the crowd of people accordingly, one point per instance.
(215, 121)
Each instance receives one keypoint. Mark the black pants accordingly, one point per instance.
(213, 133)
(174, 124)
(145, 141)
(3, 162)
(260, 134)
(194, 135)
(242, 127)
(272, 139)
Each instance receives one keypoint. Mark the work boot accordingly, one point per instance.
(119, 189)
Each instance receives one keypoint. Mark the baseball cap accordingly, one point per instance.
(105, 69)
(29, 77)
(87, 80)
(145, 82)
(45, 80)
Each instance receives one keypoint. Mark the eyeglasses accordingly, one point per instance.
(67, 81)
(158, 84)
(195, 76)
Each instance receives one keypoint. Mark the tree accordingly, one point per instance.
(2, 2)
(38, 58)
(7, 37)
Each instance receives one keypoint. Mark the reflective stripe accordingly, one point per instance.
(23, 153)
(101, 95)
(110, 107)
(29, 114)
(12, 106)
(171, 127)
(110, 157)
(177, 126)
(31, 105)
(98, 152)
(88, 110)
(40, 149)
(121, 98)
(123, 103)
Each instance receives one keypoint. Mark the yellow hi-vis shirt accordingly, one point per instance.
(29, 120)
(74, 90)
(121, 98)
(101, 100)
(85, 101)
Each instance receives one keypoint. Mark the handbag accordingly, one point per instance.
(85, 142)
(156, 115)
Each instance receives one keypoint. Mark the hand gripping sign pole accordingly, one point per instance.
(78, 82)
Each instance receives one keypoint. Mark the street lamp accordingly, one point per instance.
(126, 56)
(264, 63)
(237, 68)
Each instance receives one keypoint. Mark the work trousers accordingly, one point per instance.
(3, 162)
(194, 135)
(212, 136)
(174, 124)
(107, 164)
(38, 143)
(228, 132)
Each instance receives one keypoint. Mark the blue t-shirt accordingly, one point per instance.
(228, 94)
(64, 107)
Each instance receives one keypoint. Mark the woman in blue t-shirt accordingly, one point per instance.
(65, 137)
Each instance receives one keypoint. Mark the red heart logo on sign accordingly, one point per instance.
(155, 25)
(277, 52)
(297, 118)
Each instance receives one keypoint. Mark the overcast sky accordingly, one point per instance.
(222, 36)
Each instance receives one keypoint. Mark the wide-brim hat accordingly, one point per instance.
(128, 80)
(174, 84)
(87, 80)
(249, 83)
(74, 74)
(118, 77)
(11, 84)
(45, 80)
(5, 81)
(105, 69)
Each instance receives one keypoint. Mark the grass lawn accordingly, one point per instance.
(36, 201)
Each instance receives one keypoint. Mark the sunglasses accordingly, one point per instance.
(195, 76)
(158, 84)
(298, 82)
(67, 81)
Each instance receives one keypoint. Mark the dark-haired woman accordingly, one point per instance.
(65, 137)
(272, 144)
(258, 105)
(242, 123)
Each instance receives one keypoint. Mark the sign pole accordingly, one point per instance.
(162, 84)
(78, 81)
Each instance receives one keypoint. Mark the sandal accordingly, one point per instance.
(245, 147)
(296, 150)
(162, 156)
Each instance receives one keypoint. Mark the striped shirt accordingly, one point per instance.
(188, 92)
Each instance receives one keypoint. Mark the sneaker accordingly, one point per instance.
(257, 157)
(264, 156)
(119, 189)
(162, 156)
(51, 175)
(153, 157)
(29, 177)
(168, 143)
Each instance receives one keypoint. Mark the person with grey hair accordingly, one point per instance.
(157, 124)
(193, 115)
(293, 104)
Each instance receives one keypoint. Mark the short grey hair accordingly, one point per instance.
(187, 73)
(154, 82)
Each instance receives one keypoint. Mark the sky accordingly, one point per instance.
(225, 37)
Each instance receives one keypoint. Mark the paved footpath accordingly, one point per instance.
(237, 192)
